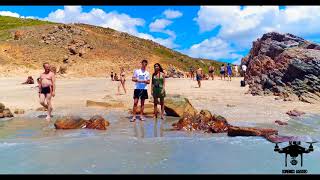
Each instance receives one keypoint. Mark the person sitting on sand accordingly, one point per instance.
(142, 78)
(199, 75)
(47, 89)
(222, 72)
(158, 89)
(211, 72)
(229, 71)
(122, 81)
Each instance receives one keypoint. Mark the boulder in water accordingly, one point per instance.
(75, 122)
(18, 111)
(281, 123)
(295, 113)
(5, 112)
(72, 122)
(250, 131)
(109, 104)
(176, 105)
(97, 122)
(204, 121)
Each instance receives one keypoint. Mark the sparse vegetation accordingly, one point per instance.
(8, 22)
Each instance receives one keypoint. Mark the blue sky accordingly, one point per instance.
(222, 33)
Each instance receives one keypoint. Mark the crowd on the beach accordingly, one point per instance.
(142, 78)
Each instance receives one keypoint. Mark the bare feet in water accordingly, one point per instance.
(142, 118)
(133, 119)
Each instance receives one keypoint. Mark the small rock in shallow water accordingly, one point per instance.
(295, 113)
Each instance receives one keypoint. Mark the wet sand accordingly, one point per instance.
(220, 97)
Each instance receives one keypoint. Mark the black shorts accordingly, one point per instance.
(210, 72)
(140, 94)
(221, 72)
(45, 90)
(199, 78)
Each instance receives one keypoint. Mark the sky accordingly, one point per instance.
(223, 33)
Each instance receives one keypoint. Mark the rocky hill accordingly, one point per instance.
(284, 65)
(80, 49)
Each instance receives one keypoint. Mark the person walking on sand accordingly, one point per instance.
(122, 81)
(47, 89)
(142, 78)
(244, 69)
(111, 75)
(158, 89)
(199, 75)
(229, 71)
(211, 72)
(236, 70)
(191, 73)
(222, 72)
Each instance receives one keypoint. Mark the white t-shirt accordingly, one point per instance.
(244, 67)
(141, 75)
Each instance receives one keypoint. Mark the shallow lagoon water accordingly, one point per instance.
(31, 145)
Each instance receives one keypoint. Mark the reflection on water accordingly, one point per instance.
(32, 145)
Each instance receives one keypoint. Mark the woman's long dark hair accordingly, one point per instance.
(160, 67)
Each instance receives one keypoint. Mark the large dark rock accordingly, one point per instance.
(250, 131)
(75, 122)
(5, 112)
(29, 80)
(284, 64)
(203, 121)
(176, 105)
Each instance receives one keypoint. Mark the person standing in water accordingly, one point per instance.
(229, 71)
(211, 72)
(122, 81)
(199, 75)
(142, 78)
(222, 72)
(47, 89)
(158, 89)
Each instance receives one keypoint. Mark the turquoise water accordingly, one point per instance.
(31, 145)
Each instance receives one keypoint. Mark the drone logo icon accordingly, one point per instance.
(294, 149)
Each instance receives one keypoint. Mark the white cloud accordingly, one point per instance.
(9, 13)
(242, 26)
(172, 14)
(159, 25)
(213, 48)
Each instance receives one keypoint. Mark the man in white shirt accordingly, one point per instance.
(142, 78)
(244, 69)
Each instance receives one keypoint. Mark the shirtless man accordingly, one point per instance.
(199, 75)
(47, 89)
(211, 72)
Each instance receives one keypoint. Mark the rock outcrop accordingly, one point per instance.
(177, 105)
(295, 113)
(284, 65)
(5, 112)
(29, 80)
(74, 122)
(203, 121)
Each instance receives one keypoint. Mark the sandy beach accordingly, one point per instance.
(220, 97)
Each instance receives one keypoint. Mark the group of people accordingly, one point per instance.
(141, 77)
